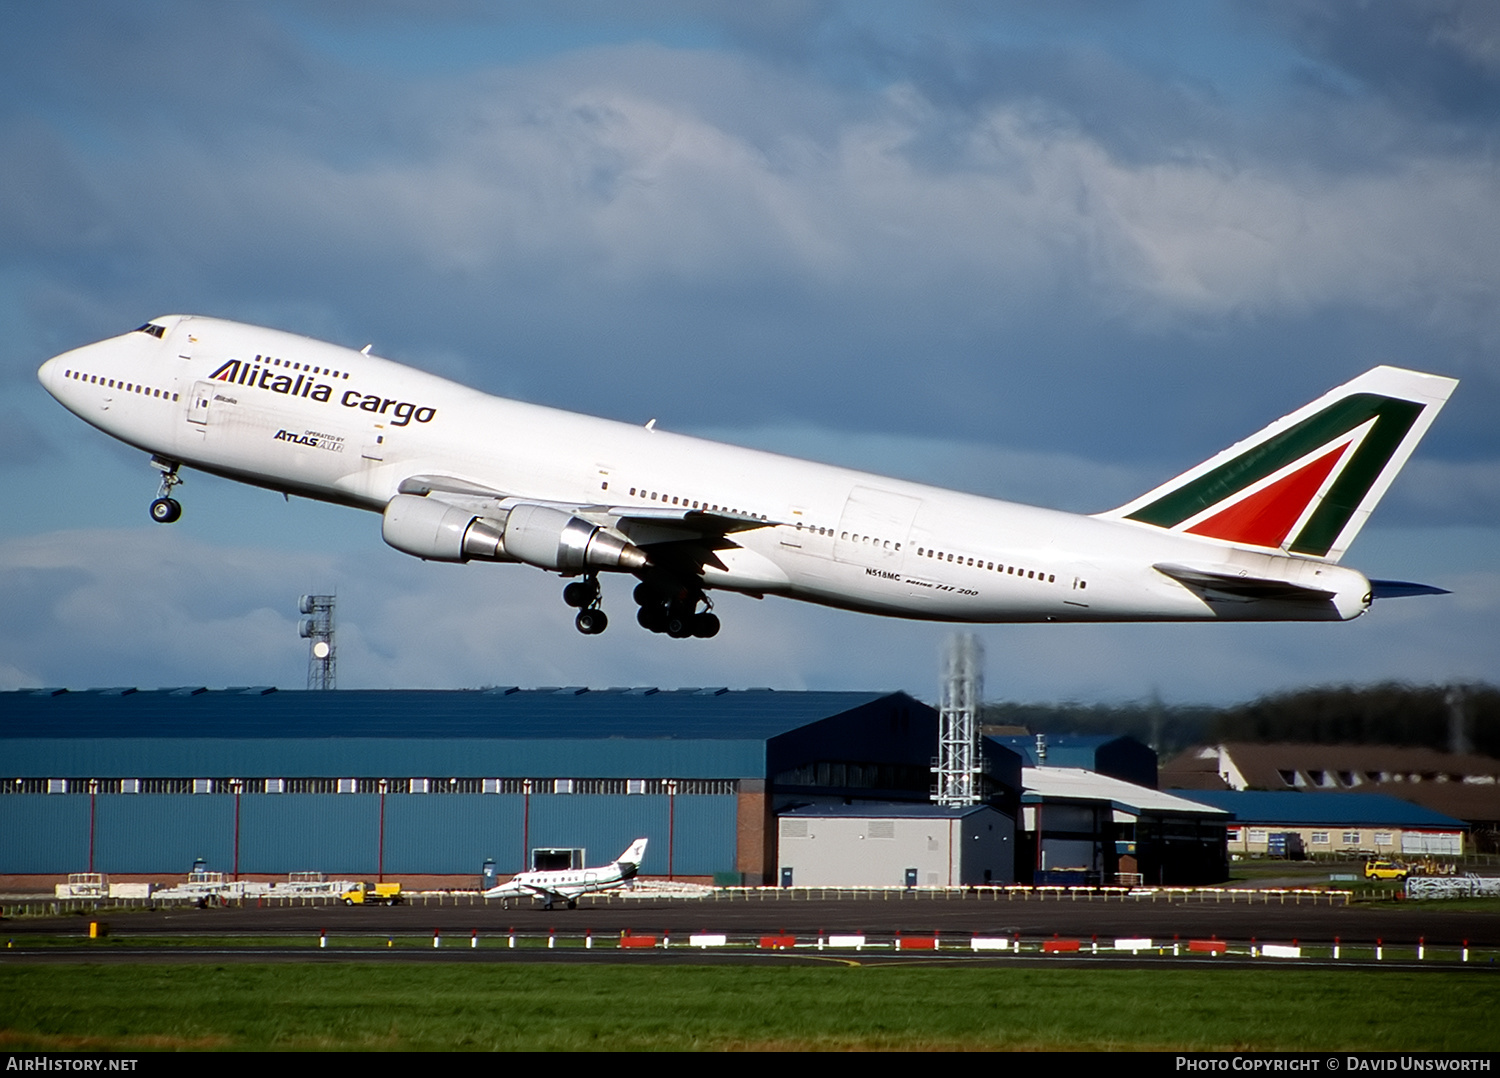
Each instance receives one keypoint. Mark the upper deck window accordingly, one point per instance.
(151, 328)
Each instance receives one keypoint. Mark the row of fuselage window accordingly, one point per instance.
(128, 387)
(922, 552)
(269, 361)
(990, 566)
(684, 503)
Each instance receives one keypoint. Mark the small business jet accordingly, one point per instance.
(565, 885)
(1252, 534)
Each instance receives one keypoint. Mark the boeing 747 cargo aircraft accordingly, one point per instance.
(1255, 533)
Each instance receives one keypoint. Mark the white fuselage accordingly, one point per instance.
(564, 883)
(314, 419)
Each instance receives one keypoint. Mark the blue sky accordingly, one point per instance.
(1051, 253)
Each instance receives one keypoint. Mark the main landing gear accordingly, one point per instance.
(584, 595)
(666, 606)
(674, 610)
(166, 509)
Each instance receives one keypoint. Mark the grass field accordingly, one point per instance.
(517, 1007)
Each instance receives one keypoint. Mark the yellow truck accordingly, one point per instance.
(372, 894)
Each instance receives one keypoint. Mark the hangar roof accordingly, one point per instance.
(501, 713)
(571, 732)
(1043, 784)
(1118, 755)
(1326, 809)
(881, 810)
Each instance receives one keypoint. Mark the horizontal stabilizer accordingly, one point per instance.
(1400, 589)
(1246, 588)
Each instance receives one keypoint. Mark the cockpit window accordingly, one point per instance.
(151, 328)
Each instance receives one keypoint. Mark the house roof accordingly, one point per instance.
(1466, 786)
(1287, 764)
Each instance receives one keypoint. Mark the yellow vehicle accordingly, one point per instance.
(372, 894)
(1386, 870)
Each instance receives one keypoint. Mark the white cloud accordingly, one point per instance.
(601, 176)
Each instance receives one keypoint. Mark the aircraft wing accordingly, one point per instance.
(676, 522)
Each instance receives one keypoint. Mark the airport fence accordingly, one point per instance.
(44, 905)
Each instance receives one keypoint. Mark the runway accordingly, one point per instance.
(483, 932)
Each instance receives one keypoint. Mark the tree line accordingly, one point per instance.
(1442, 717)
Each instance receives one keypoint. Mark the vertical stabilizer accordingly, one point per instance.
(634, 854)
(1307, 483)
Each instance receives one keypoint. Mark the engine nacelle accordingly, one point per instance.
(536, 534)
(437, 531)
(553, 539)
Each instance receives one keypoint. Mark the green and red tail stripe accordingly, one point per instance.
(1307, 483)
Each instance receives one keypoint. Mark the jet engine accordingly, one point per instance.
(539, 535)
(438, 531)
(553, 539)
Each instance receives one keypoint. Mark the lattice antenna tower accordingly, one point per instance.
(958, 763)
(317, 629)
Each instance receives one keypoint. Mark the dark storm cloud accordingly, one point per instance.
(1438, 58)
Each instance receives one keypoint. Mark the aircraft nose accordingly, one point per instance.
(47, 374)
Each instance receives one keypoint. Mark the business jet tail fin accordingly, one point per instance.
(634, 854)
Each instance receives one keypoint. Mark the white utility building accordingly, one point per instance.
(895, 845)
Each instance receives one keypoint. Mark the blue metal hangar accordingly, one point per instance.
(256, 781)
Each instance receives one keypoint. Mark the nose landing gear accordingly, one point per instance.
(166, 509)
(584, 595)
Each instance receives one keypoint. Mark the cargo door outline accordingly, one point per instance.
(375, 445)
(198, 406)
(874, 528)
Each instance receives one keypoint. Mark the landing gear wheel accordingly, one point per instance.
(582, 593)
(591, 622)
(653, 618)
(165, 509)
(668, 605)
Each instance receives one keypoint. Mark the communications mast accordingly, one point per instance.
(958, 765)
(317, 629)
